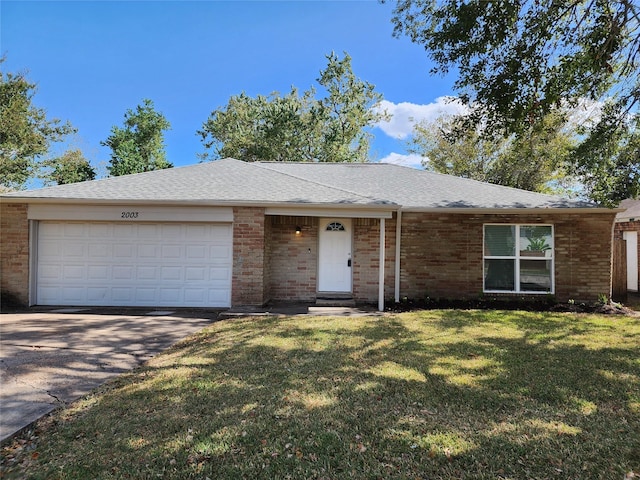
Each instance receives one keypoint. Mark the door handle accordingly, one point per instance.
(349, 263)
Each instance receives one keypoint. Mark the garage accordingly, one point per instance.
(131, 262)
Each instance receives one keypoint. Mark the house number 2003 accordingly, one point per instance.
(129, 215)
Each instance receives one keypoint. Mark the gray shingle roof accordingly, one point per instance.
(418, 189)
(230, 181)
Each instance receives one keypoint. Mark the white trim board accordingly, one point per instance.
(328, 212)
(129, 213)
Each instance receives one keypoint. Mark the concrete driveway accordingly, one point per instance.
(50, 358)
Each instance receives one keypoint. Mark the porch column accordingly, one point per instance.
(381, 268)
(397, 259)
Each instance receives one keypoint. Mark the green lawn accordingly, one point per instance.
(422, 395)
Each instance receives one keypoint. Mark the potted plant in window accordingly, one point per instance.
(537, 243)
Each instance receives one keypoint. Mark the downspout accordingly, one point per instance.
(381, 268)
(397, 259)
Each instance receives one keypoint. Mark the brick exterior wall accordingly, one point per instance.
(293, 260)
(366, 258)
(247, 284)
(629, 227)
(442, 254)
(14, 254)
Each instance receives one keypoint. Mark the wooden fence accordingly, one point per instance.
(619, 281)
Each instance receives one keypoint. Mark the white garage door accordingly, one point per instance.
(134, 264)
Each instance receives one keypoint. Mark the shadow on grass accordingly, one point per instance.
(439, 395)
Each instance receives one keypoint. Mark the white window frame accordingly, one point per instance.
(517, 257)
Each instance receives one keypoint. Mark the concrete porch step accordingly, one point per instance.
(335, 302)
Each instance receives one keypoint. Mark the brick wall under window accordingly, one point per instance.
(442, 253)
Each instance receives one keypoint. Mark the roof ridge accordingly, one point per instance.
(332, 187)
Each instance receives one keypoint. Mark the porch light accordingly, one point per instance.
(298, 230)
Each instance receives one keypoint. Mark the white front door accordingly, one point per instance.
(334, 269)
(632, 260)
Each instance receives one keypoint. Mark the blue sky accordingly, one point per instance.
(93, 60)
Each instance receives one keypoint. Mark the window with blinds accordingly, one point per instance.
(518, 258)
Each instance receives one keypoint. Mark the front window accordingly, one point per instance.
(518, 258)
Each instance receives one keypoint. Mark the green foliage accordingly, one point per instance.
(532, 160)
(516, 62)
(138, 146)
(71, 167)
(25, 131)
(265, 127)
(297, 126)
(608, 161)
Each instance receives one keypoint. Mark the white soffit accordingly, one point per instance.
(328, 212)
(129, 213)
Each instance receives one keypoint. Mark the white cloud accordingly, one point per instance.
(586, 112)
(404, 115)
(405, 160)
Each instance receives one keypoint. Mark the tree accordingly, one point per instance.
(517, 61)
(609, 162)
(345, 112)
(70, 167)
(138, 146)
(534, 161)
(298, 127)
(265, 127)
(25, 131)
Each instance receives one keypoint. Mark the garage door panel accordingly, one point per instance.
(148, 231)
(71, 230)
(170, 296)
(73, 272)
(217, 296)
(171, 273)
(195, 273)
(196, 252)
(51, 271)
(49, 295)
(122, 296)
(219, 253)
(172, 251)
(195, 295)
(172, 232)
(145, 295)
(96, 250)
(122, 272)
(121, 250)
(96, 295)
(73, 294)
(147, 272)
(100, 263)
(73, 249)
(220, 276)
(98, 272)
(148, 250)
(198, 232)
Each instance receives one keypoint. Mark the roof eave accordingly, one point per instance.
(506, 210)
(302, 205)
(203, 202)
